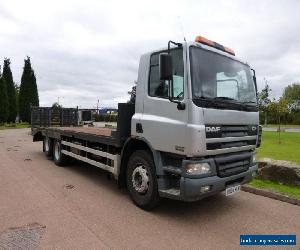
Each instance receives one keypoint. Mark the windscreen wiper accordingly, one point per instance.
(213, 98)
(224, 101)
(249, 102)
(235, 101)
(219, 99)
(224, 98)
(213, 101)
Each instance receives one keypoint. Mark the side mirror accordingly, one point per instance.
(165, 67)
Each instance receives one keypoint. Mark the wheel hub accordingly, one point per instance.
(140, 179)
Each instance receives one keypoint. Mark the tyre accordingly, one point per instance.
(59, 158)
(141, 180)
(48, 146)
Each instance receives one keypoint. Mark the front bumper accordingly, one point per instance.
(190, 188)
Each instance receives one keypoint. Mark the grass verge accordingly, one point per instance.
(288, 149)
(15, 125)
(291, 191)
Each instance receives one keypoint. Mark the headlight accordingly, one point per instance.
(254, 158)
(198, 168)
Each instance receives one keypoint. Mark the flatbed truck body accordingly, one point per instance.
(194, 140)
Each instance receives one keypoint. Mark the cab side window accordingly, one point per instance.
(160, 88)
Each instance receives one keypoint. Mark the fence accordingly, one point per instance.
(53, 117)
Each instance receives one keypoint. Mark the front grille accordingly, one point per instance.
(220, 145)
(222, 131)
(230, 136)
(233, 164)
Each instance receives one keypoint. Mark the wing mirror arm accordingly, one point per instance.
(254, 80)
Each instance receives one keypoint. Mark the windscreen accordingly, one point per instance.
(218, 77)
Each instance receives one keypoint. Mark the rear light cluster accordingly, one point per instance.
(201, 39)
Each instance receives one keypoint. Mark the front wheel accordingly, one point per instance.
(141, 180)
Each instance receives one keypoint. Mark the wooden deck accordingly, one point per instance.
(87, 130)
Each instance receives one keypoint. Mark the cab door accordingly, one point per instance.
(163, 124)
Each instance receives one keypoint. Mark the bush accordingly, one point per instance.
(106, 117)
(99, 118)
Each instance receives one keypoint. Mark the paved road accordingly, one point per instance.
(94, 214)
(295, 130)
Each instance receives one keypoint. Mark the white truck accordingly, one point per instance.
(191, 132)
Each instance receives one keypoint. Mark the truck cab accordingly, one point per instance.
(201, 119)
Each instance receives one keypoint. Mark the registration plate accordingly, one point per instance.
(232, 190)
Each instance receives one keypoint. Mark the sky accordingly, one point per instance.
(85, 51)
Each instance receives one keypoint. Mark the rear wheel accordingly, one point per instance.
(48, 146)
(59, 158)
(141, 180)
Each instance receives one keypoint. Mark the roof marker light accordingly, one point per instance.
(201, 39)
(229, 50)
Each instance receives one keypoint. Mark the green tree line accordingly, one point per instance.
(284, 110)
(16, 100)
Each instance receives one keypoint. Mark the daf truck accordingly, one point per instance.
(190, 133)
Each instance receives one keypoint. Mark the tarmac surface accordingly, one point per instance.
(294, 130)
(43, 206)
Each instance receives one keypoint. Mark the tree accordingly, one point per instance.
(17, 90)
(292, 94)
(11, 93)
(3, 101)
(28, 91)
(132, 93)
(279, 109)
(56, 105)
(264, 100)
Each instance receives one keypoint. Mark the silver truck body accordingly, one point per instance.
(175, 139)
